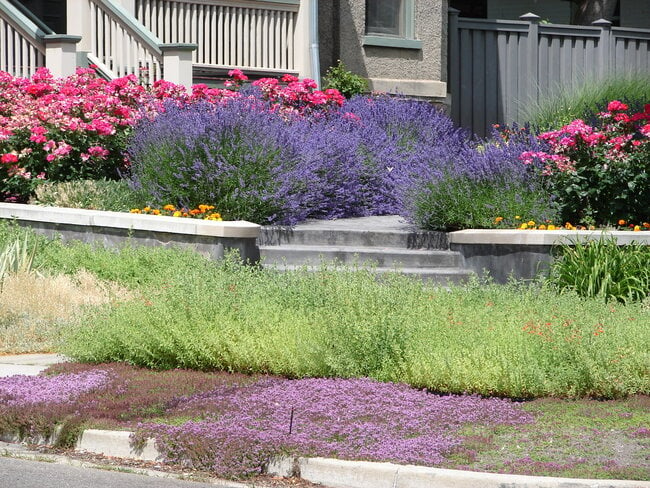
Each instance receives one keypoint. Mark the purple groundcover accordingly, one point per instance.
(241, 428)
(19, 391)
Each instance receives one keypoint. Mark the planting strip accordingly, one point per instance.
(337, 473)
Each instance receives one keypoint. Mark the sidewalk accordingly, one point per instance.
(27, 364)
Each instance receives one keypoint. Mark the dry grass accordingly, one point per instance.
(35, 308)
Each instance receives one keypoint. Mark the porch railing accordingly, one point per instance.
(22, 49)
(251, 35)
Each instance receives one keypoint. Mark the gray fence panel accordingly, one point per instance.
(499, 68)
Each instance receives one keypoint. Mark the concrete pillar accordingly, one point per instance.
(61, 54)
(177, 63)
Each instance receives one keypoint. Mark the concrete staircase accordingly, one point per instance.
(386, 243)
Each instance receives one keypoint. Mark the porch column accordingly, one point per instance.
(177, 63)
(61, 54)
(78, 24)
(302, 40)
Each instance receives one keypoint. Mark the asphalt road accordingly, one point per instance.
(21, 473)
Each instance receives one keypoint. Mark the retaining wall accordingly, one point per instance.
(114, 229)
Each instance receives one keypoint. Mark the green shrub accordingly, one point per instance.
(459, 202)
(348, 83)
(89, 194)
(565, 104)
(603, 269)
(515, 340)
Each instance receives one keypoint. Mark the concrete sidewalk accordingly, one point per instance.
(27, 364)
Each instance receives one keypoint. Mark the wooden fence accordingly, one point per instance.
(497, 68)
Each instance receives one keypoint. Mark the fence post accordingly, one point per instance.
(453, 63)
(177, 63)
(78, 24)
(605, 47)
(532, 52)
(61, 54)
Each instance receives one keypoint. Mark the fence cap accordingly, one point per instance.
(604, 23)
(530, 17)
(65, 38)
(178, 46)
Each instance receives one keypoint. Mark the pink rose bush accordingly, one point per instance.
(62, 129)
(599, 173)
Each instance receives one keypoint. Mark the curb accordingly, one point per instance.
(337, 473)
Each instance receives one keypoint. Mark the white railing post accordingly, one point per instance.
(79, 24)
(61, 54)
(302, 40)
(177, 63)
(604, 46)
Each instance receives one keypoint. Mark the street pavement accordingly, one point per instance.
(22, 473)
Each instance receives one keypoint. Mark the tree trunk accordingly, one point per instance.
(590, 10)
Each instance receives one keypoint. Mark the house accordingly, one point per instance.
(419, 48)
(397, 44)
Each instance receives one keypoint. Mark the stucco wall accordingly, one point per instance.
(417, 72)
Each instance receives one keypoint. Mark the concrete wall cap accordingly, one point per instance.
(123, 220)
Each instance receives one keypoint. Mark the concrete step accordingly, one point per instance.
(387, 257)
(323, 235)
(442, 276)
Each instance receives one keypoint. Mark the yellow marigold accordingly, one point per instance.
(542, 227)
(622, 222)
(177, 213)
(146, 209)
(517, 217)
(524, 226)
(637, 228)
(135, 211)
(551, 227)
(156, 211)
(169, 208)
(531, 223)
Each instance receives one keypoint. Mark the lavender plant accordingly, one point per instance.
(377, 155)
(484, 182)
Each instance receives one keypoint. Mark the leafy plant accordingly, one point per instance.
(89, 194)
(568, 103)
(16, 257)
(599, 174)
(346, 82)
(603, 269)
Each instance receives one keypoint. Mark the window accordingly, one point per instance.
(385, 17)
(391, 23)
